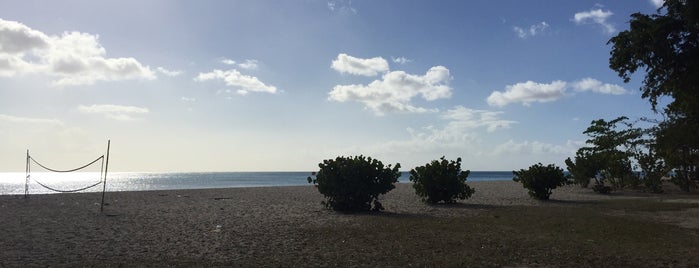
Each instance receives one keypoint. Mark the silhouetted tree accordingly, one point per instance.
(666, 46)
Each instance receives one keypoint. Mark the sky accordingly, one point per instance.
(188, 86)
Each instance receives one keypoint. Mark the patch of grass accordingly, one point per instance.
(580, 235)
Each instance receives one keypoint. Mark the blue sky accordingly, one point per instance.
(282, 85)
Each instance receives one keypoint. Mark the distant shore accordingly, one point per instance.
(210, 226)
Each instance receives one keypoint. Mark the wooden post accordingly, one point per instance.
(104, 185)
(26, 177)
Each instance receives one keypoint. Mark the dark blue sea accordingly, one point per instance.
(14, 183)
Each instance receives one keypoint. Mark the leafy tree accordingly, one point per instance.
(666, 46)
(540, 180)
(441, 181)
(584, 168)
(651, 165)
(610, 151)
(354, 183)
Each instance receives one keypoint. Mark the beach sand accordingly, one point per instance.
(211, 226)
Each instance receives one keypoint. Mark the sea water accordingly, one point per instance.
(14, 183)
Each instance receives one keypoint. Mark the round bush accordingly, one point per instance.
(540, 180)
(441, 181)
(354, 183)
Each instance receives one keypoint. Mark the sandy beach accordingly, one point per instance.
(237, 226)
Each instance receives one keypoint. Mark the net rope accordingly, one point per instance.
(66, 171)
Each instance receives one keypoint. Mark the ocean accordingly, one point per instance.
(14, 183)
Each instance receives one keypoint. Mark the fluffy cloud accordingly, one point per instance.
(527, 92)
(244, 83)
(116, 112)
(594, 85)
(367, 67)
(394, 92)
(74, 58)
(533, 30)
(597, 16)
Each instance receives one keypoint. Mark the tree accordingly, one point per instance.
(441, 181)
(540, 180)
(652, 167)
(354, 183)
(678, 144)
(666, 46)
(610, 148)
(584, 168)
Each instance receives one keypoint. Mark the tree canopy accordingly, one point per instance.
(666, 46)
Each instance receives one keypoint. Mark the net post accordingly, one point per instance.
(104, 185)
(26, 177)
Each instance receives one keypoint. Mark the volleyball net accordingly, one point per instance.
(48, 179)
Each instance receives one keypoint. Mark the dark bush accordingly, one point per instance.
(540, 180)
(601, 188)
(441, 181)
(354, 183)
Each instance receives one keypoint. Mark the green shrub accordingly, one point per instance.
(540, 180)
(354, 183)
(441, 181)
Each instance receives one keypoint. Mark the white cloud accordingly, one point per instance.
(597, 16)
(466, 118)
(533, 30)
(657, 3)
(528, 92)
(74, 58)
(29, 120)
(228, 61)
(244, 83)
(168, 72)
(459, 132)
(249, 65)
(116, 112)
(535, 147)
(394, 92)
(401, 60)
(341, 6)
(367, 67)
(185, 99)
(594, 85)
